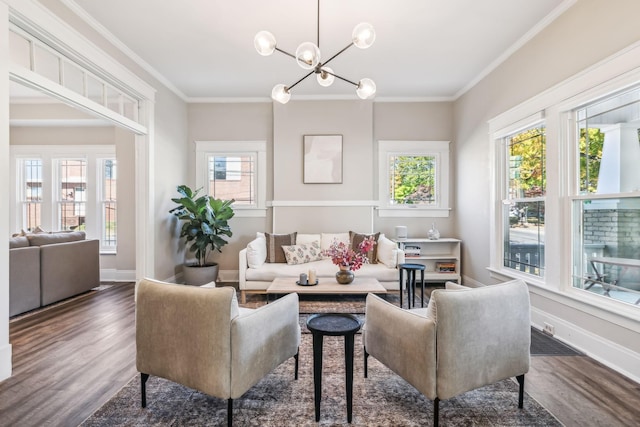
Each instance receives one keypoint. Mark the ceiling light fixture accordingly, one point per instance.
(309, 58)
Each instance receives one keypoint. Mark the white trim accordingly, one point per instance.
(59, 123)
(114, 275)
(607, 352)
(42, 84)
(438, 149)
(109, 36)
(5, 356)
(528, 36)
(257, 148)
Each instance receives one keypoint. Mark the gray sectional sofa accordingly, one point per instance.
(48, 267)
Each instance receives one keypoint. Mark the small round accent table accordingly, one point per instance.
(333, 324)
(411, 283)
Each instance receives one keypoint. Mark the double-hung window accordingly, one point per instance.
(606, 199)
(521, 189)
(413, 178)
(62, 188)
(233, 170)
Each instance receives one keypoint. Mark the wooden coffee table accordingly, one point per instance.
(360, 285)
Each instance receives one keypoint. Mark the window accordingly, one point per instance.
(108, 201)
(524, 201)
(66, 188)
(606, 241)
(234, 170)
(31, 193)
(414, 178)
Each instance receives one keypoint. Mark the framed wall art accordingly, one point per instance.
(322, 159)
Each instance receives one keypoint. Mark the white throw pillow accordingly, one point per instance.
(328, 238)
(302, 254)
(387, 252)
(256, 252)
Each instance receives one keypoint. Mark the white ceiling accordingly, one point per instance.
(425, 49)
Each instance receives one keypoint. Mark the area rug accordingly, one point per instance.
(383, 399)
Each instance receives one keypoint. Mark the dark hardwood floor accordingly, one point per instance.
(70, 359)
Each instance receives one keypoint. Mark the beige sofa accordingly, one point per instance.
(256, 274)
(48, 267)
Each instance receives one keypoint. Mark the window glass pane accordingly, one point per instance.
(524, 237)
(527, 175)
(113, 99)
(607, 250)
(72, 187)
(524, 208)
(32, 193)
(19, 50)
(609, 144)
(73, 77)
(412, 180)
(232, 177)
(129, 108)
(109, 203)
(46, 64)
(95, 90)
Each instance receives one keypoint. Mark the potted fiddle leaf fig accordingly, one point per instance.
(205, 227)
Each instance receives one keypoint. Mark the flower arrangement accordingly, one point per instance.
(343, 256)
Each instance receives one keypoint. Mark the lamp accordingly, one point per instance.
(308, 57)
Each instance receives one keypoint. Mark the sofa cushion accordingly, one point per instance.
(307, 238)
(257, 252)
(303, 253)
(275, 254)
(387, 252)
(18, 242)
(355, 239)
(42, 239)
(327, 239)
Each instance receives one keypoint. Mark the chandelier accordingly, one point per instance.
(309, 58)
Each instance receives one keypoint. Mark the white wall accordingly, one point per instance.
(5, 346)
(587, 33)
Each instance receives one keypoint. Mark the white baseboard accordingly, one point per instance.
(5, 362)
(113, 275)
(608, 353)
(468, 281)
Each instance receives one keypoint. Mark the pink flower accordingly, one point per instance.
(341, 253)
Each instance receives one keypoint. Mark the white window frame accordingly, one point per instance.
(437, 149)
(500, 196)
(257, 149)
(102, 201)
(612, 75)
(49, 154)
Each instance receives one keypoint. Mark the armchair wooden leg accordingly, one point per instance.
(366, 366)
(143, 388)
(230, 412)
(436, 411)
(296, 368)
(520, 379)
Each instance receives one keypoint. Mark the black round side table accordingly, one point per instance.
(411, 283)
(333, 324)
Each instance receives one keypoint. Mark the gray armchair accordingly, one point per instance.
(200, 338)
(464, 339)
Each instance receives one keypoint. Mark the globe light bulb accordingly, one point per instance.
(366, 89)
(324, 78)
(281, 94)
(308, 55)
(363, 35)
(265, 43)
